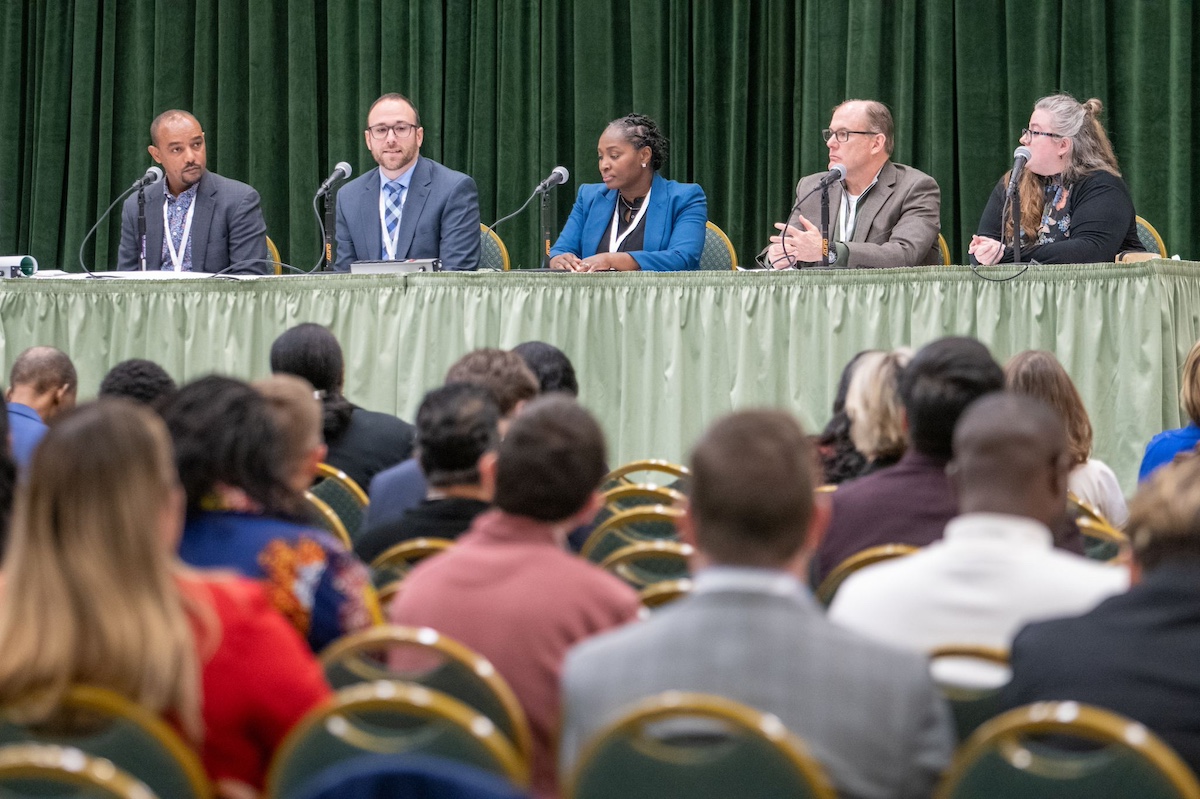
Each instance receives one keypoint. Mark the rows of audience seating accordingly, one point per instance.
(242, 588)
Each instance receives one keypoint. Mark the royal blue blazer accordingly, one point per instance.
(674, 225)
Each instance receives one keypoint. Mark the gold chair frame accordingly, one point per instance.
(410, 552)
(664, 592)
(332, 522)
(655, 494)
(643, 513)
(859, 560)
(484, 230)
(733, 259)
(346, 481)
(273, 251)
(945, 250)
(646, 465)
(65, 765)
(618, 562)
(1162, 245)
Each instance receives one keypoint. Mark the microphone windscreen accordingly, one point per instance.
(563, 174)
(344, 168)
(841, 170)
(158, 174)
(1022, 152)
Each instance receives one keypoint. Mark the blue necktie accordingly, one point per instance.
(394, 193)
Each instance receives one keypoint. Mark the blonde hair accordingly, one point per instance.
(1164, 515)
(90, 593)
(1038, 374)
(296, 413)
(1090, 151)
(1189, 391)
(873, 404)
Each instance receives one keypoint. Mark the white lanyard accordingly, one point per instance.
(177, 257)
(615, 241)
(390, 243)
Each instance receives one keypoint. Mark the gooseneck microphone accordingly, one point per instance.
(153, 175)
(838, 173)
(559, 176)
(342, 171)
(828, 179)
(328, 222)
(1021, 157)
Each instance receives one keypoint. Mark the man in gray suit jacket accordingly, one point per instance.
(881, 214)
(410, 207)
(215, 223)
(752, 632)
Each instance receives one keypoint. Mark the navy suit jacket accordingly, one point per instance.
(227, 228)
(440, 219)
(674, 225)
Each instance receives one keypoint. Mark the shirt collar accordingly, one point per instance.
(999, 528)
(187, 194)
(404, 181)
(20, 409)
(745, 579)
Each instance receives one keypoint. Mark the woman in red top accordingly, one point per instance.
(94, 593)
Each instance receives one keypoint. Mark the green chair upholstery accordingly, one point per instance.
(972, 702)
(390, 718)
(718, 253)
(395, 562)
(633, 526)
(105, 725)
(344, 496)
(634, 495)
(693, 746)
(859, 560)
(422, 656)
(34, 770)
(492, 252)
(325, 518)
(1149, 238)
(648, 562)
(1065, 750)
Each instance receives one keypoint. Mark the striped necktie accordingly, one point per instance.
(395, 195)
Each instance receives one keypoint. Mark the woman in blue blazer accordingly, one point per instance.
(636, 219)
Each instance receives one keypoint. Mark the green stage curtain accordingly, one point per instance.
(509, 88)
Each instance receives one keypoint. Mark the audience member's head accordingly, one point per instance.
(1189, 391)
(840, 460)
(229, 451)
(8, 477)
(1038, 374)
(139, 380)
(297, 416)
(550, 366)
(501, 372)
(1010, 456)
(941, 380)
(310, 351)
(551, 462)
(1164, 517)
(90, 595)
(751, 498)
(457, 425)
(873, 405)
(44, 379)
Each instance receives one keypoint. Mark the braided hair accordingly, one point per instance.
(641, 131)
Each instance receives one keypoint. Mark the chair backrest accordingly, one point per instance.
(327, 519)
(692, 745)
(649, 562)
(971, 678)
(105, 725)
(1102, 541)
(422, 656)
(273, 251)
(859, 560)
(633, 495)
(1013, 755)
(35, 770)
(395, 562)
(620, 475)
(344, 496)
(945, 250)
(492, 252)
(656, 595)
(645, 523)
(1149, 237)
(390, 718)
(718, 253)
(407, 776)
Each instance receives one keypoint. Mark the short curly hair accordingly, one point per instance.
(641, 131)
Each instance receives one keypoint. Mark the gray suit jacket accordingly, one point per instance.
(227, 228)
(440, 219)
(897, 224)
(869, 713)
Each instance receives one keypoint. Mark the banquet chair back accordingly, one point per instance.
(859, 560)
(276, 261)
(325, 518)
(623, 475)
(492, 252)
(648, 562)
(695, 746)
(35, 770)
(377, 776)
(106, 725)
(390, 718)
(944, 248)
(343, 495)
(394, 563)
(718, 253)
(656, 595)
(1101, 540)
(1066, 750)
(633, 526)
(422, 656)
(634, 495)
(971, 678)
(1149, 238)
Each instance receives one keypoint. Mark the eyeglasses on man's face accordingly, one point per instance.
(402, 130)
(844, 135)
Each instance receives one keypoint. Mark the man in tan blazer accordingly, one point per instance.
(880, 214)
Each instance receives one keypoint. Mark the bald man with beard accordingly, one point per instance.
(996, 568)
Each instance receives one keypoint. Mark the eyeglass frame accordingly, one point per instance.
(843, 136)
(402, 130)
(1031, 133)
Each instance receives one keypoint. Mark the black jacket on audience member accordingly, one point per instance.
(433, 518)
(370, 443)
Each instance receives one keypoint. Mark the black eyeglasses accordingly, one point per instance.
(1028, 132)
(402, 130)
(844, 135)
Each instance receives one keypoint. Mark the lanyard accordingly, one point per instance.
(615, 241)
(177, 257)
(390, 242)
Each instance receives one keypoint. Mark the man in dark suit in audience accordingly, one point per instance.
(752, 632)
(1135, 653)
(196, 220)
(911, 502)
(457, 428)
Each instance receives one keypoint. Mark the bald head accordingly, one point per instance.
(44, 379)
(171, 115)
(1010, 456)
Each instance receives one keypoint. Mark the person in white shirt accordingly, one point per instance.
(996, 568)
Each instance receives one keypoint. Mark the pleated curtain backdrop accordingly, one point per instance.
(507, 89)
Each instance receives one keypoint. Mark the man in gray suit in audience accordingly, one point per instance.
(410, 207)
(752, 632)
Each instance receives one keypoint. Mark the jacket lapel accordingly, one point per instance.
(418, 193)
(201, 222)
(156, 197)
(598, 219)
(654, 226)
(368, 234)
(874, 200)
